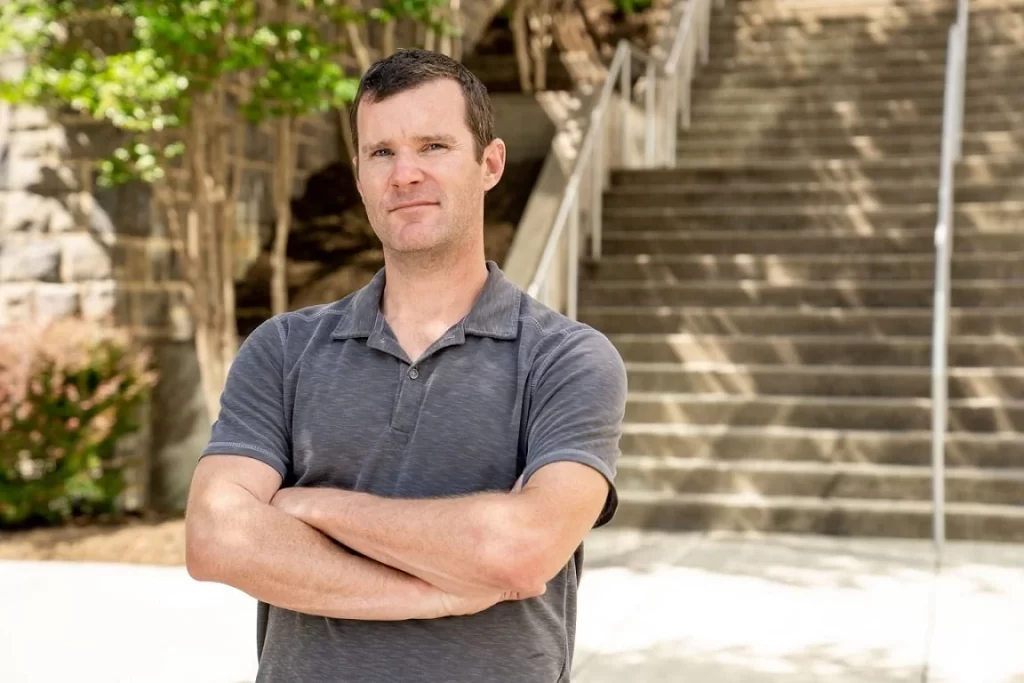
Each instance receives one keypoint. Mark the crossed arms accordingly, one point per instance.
(353, 555)
(424, 558)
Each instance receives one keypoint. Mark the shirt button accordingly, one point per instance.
(413, 373)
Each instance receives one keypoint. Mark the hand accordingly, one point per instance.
(296, 501)
(453, 605)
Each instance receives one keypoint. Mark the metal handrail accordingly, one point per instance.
(670, 78)
(952, 152)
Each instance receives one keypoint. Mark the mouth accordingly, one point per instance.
(412, 205)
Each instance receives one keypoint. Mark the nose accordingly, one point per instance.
(406, 169)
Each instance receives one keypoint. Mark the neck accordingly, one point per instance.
(427, 291)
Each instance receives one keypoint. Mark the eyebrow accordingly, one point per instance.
(440, 137)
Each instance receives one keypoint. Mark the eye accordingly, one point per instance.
(380, 152)
(436, 145)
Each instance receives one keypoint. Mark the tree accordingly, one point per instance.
(184, 81)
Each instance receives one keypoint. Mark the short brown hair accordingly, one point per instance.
(408, 69)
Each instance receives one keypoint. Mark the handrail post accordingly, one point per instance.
(664, 77)
(626, 86)
(597, 186)
(573, 257)
(649, 123)
(952, 106)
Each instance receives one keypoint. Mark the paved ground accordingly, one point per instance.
(654, 608)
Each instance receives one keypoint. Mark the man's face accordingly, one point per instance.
(418, 172)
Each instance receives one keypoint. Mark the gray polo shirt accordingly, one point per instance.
(326, 396)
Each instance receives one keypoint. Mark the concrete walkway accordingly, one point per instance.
(653, 608)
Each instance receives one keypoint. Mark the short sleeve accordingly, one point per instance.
(577, 405)
(252, 418)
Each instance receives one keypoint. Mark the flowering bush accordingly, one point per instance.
(68, 393)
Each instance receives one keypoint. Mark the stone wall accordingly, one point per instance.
(68, 247)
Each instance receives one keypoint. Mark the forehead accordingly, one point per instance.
(432, 108)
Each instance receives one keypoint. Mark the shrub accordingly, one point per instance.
(69, 391)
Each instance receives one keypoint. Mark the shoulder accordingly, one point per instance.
(306, 324)
(559, 343)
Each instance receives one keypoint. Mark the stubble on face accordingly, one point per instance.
(421, 181)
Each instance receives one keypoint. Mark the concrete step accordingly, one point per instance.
(837, 125)
(711, 377)
(810, 269)
(821, 193)
(869, 23)
(813, 352)
(969, 218)
(624, 242)
(732, 443)
(745, 512)
(826, 481)
(856, 147)
(984, 28)
(842, 322)
(759, 105)
(795, 98)
(831, 10)
(971, 169)
(985, 415)
(990, 57)
(768, 75)
(837, 293)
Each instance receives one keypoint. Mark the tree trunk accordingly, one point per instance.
(284, 172)
(520, 35)
(388, 39)
(201, 220)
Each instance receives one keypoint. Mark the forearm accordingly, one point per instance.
(282, 561)
(456, 544)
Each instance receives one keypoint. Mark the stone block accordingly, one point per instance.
(37, 261)
(179, 317)
(152, 308)
(29, 118)
(164, 263)
(38, 143)
(99, 300)
(54, 301)
(17, 303)
(124, 209)
(85, 258)
(17, 173)
(25, 212)
(91, 140)
(180, 424)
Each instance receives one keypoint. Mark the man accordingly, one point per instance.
(403, 478)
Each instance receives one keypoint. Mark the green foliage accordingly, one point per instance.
(172, 53)
(68, 393)
(633, 6)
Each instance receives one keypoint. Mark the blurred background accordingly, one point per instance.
(801, 222)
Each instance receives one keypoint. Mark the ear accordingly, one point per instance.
(493, 163)
(355, 168)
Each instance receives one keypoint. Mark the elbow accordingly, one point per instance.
(209, 545)
(515, 563)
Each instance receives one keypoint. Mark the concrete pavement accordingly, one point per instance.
(653, 608)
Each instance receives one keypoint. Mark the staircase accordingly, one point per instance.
(772, 295)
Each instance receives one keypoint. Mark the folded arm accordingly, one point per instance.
(234, 536)
(505, 540)
(476, 544)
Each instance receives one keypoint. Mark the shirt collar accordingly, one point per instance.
(494, 314)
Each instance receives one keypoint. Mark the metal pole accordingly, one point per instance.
(573, 256)
(672, 120)
(625, 85)
(597, 190)
(705, 31)
(940, 330)
(649, 126)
